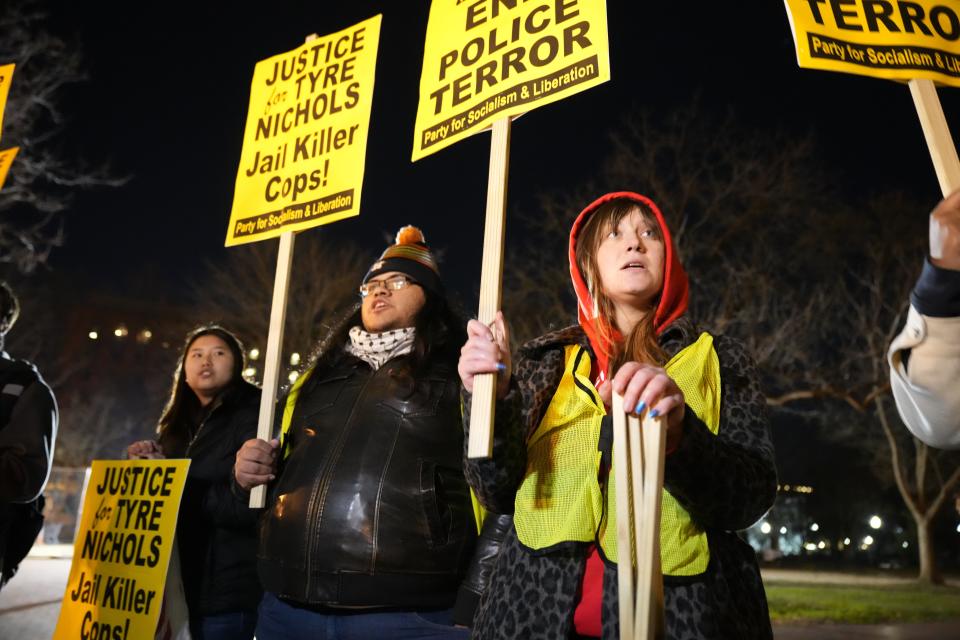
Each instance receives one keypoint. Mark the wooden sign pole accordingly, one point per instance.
(271, 362)
(935, 130)
(638, 459)
(480, 444)
(649, 610)
(625, 529)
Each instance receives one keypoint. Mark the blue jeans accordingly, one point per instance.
(280, 620)
(236, 625)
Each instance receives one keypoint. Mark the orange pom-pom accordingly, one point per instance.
(410, 235)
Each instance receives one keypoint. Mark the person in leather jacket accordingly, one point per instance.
(369, 526)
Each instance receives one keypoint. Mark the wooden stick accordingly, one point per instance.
(625, 543)
(649, 611)
(641, 520)
(485, 385)
(935, 130)
(271, 362)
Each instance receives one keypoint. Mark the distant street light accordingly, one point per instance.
(875, 522)
(254, 354)
(814, 527)
(783, 531)
(93, 335)
(765, 527)
(868, 540)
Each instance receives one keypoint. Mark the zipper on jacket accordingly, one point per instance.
(203, 423)
(319, 497)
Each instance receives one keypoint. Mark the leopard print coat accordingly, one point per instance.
(726, 482)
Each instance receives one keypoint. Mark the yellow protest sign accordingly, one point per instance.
(305, 140)
(892, 39)
(6, 159)
(489, 59)
(122, 550)
(6, 77)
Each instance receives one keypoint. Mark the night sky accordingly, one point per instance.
(169, 83)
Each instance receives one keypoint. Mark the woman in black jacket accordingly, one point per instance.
(212, 410)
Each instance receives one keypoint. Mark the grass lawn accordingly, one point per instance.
(791, 603)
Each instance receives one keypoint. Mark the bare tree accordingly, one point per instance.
(42, 181)
(869, 306)
(238, 291)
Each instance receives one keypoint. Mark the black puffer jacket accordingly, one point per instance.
(216, 531)
(370, 507)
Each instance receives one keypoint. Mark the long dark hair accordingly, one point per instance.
(183, 404)
(440, 330)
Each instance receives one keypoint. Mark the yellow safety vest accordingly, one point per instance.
(560, 499)
(288, 407)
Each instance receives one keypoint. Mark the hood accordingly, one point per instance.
(673, 298)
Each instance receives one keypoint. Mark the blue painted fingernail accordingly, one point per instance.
(501, 367)
(640, 407)
(654, 413)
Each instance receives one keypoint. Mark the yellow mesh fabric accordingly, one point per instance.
(683, 545)
(288, 408)
(559, 499)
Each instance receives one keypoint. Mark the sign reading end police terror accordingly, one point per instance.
(894, 39)
(122, 550)
(305, 140)
(489, 59)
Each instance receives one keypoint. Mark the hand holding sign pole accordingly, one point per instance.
(483, 64)
(273, 356)
(271, 368)
(480, 444)
(302, 163)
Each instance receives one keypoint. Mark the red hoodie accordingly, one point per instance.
(671, 305)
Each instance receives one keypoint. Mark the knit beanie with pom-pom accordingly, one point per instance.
(412, 257)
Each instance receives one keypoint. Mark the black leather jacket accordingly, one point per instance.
(370, 507)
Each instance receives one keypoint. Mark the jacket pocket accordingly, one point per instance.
(446, 505)
(433, 503)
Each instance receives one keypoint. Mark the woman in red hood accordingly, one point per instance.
(556, 575)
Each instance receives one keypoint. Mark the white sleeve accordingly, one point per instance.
(927, 388)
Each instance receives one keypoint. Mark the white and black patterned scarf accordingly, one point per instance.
(377, 348)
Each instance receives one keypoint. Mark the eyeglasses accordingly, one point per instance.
(394, 283)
